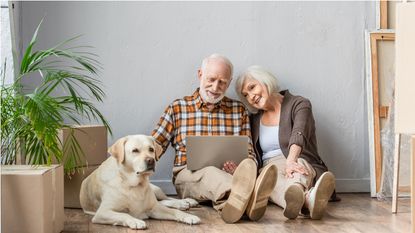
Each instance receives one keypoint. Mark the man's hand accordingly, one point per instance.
(292, 167)
(229, 167)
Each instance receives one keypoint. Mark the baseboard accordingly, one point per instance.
(353, 185)
(342, 186)
(165, 185)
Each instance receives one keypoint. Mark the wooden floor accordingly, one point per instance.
(355, 213)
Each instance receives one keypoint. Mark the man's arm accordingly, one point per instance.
(246, 130)
(230, 166)
(163, 132)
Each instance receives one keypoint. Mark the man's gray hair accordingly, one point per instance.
(219, 57)
(261, 75)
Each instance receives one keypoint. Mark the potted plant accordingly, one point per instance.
(31, 121)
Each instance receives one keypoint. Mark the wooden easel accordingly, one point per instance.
(378, 111)
(395, 187)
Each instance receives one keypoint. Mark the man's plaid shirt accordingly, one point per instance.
(190, 116)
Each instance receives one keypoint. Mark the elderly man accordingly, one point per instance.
(208, 112)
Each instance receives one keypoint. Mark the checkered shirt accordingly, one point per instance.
(190, 116)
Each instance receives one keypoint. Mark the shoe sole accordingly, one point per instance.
(325, 187)
(263, 188)
(294, 200)
(243, 182)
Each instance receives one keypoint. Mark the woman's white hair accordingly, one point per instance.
(261, 75)
(219, 57)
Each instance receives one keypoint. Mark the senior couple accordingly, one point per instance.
(283, 165)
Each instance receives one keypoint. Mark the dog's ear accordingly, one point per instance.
(158, 149)
(117, 149)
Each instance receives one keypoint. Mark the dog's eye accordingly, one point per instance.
(151, 149)
(136, 150)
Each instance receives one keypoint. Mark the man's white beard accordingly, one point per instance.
(208, 99)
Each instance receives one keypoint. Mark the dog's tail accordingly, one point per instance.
(89, 212)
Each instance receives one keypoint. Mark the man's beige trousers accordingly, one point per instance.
(209, 183)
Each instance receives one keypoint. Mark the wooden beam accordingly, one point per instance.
(404, 189)
(413, 184)
(395, 187)
(383, 14)
(383, 111)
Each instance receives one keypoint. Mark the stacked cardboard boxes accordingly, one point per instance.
(93, 141)
(32, 199)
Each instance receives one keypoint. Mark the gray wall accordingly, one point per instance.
(151, 52)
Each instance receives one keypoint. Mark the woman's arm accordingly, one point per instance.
(291, 164)
(303, 122)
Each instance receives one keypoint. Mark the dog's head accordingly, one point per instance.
(137, 153)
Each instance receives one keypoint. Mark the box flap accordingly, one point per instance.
(85, 126)
(26, 169)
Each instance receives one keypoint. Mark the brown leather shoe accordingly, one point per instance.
(264, 185)
(243, 182)
(294, 200)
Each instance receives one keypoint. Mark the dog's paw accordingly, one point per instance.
(136, 223)
(190, 219)
(176, 204)
(192, 202)
(182, 205)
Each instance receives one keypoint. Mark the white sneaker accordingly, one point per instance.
(319, 195)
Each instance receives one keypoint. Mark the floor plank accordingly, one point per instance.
(355, 213)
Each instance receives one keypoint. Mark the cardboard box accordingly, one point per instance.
(32, 199)
(93, 141)
(73, 186)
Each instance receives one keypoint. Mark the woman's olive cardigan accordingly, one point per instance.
(296, 127)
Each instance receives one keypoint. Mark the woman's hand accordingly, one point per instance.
(229, 167)
(292, 167)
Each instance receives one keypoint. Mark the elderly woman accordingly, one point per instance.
(283, 133)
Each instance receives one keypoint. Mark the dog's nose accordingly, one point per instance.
(150, 161)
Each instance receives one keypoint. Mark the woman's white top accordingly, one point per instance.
(269, 141)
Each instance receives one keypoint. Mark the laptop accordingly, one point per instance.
(204, 151)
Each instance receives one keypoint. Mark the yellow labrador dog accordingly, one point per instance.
(119, 191)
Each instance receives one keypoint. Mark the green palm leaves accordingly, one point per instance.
(30, 122)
